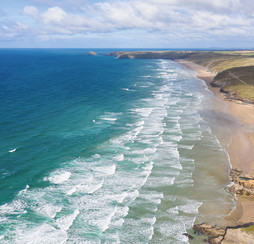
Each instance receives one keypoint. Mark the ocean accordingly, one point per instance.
(99, 150)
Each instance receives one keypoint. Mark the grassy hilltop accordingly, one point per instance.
(234, 69)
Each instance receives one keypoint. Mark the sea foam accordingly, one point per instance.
(59, 178)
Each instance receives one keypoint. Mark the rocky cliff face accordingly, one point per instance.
(151, 54)
(243, 234)
(215, 233)
(239, 235)
(236, 82)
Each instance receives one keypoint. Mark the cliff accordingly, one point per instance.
(234, 69)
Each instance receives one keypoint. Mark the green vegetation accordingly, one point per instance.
(237, 82)
(218, 62)
(154, 55)
(234, 69)
(249, 229)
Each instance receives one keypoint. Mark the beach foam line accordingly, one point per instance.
(190, 206)
(49, 210)
(90, 188)
(109, 119)
(106, 170)
(145, 151)
(59, 178)
(152, 197)
(161, 181)
(65, 222)
(15, 207)
(109, 116)
(120, 197)
(43, 234)
(188, 147)
(173, 231)
(119, 157)
(96, 155)
(23, 191)
(12, 150)
(145, 230)
(72, 190)
(103, 222)
(144, 112)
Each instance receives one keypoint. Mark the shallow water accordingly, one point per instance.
(98, 150)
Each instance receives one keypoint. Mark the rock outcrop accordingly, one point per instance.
(243, 183)
(92, 53)
(215, 233)
(243, 234)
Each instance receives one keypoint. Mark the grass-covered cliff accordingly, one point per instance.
(237, 82)
(234, 69)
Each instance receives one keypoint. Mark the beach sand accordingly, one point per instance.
(241, 149)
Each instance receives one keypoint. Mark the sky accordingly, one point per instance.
(127, 24)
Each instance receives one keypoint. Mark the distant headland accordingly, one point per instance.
(233, 70)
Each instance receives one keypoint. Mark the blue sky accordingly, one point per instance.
(127, 23)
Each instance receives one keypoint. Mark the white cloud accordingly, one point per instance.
(31, 10)
(208, 20)
(199, 4)
(193, 19)
(54, 15)
(11, 30)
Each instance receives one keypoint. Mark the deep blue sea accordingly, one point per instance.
(99, 150)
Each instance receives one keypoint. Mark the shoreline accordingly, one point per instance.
(241, 148)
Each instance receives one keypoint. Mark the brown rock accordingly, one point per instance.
(235, 174)
(209, 230)
(243, 183)
(92, 53)
(246, 192)
(216, 240)
(190, 237)
(241, 234)
(236, 187)
(249, 184)
(238, 236)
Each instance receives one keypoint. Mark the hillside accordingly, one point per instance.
(234, 69)
(237, 82)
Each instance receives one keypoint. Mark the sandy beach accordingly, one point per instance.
(241, 149)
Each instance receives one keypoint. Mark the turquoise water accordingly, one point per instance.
(99, 150)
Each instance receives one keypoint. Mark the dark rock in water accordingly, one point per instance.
(190, 237)
(92, 53)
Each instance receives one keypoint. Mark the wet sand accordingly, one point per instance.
(240, 122)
